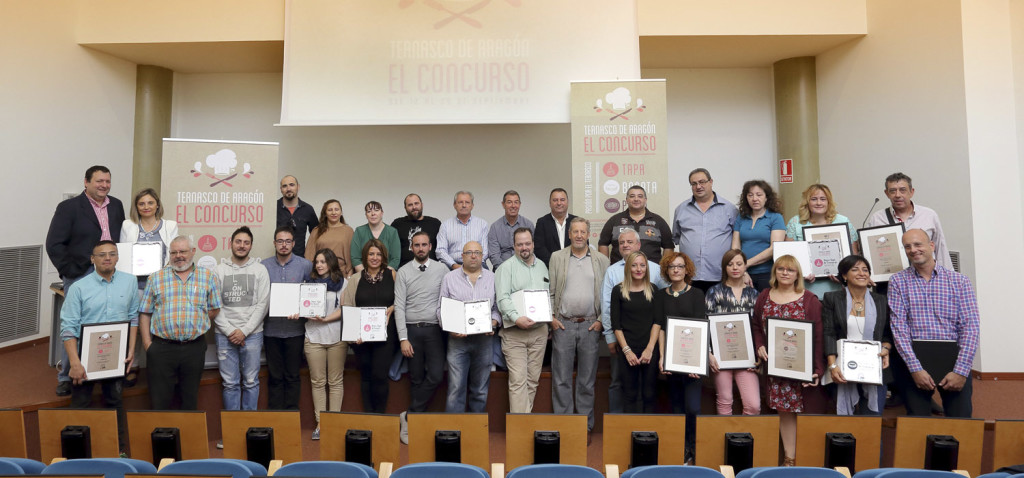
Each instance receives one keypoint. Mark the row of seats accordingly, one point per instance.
(119, 467)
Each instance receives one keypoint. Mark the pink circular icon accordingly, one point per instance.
(612, 205)
(207, 243)
(818, 262)
(366, 328)
(305, 303)
(611, 170)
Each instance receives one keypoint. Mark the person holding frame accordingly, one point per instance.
(787, 299)
(817, 208)
(680, 299)
(374, 286)
(325, 352)
(632, 314)
(849, 314)
(733, 295)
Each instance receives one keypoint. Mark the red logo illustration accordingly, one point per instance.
(207, 243)
(611, 169)
(224, 164)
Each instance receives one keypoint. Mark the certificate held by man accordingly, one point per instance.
(306, 300)
(368, 324)
(467, 318)
(534, 304)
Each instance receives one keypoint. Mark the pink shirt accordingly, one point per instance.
(101, 216)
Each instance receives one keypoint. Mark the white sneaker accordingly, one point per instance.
(220, 444)
(316, 433)
(403, 427)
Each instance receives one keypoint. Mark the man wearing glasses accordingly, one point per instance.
(178, 306)
(283, 338)
(469, 356)
(702, 227)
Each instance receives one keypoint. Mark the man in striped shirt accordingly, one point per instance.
(177, 308)
(459, 230)
(931, 302)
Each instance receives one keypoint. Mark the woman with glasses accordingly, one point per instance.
(680, 299)
(374, 286)
(758, 225)
(375, 228)
(787, 299)
(632, 314)
(332, 233)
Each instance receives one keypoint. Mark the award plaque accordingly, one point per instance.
(467, 318)
(882, 246)
(686, 345)
(367, 323)
(827, 232)
(534, 304)
(825, 256)
(731, 341)
(789, 349)
(859, 361)
(103, 349)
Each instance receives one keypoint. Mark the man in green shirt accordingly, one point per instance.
(523, 341)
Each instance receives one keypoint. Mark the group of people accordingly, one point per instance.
(713, 258)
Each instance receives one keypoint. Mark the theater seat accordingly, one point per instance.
(439, 470)
(316, 469)
(554, 470)
(28, 467)
(108, 467)
(215, 466)
(671, 471)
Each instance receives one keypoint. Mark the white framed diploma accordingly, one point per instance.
(882, 246)
(825, 256)
(534, 304)
(306, 300)
(140, 258)
(103, 349)
(731, 340)
(798, 249)
(686, 345)
(467, 318)
(790, 343)
(859, 361)
(367, 323)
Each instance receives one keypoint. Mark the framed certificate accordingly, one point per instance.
(367, 323)
(103, 349)
(731, 341)
(789, 349)
(686, 345)
(825, 256)
(534, 304)
(883, 248)
(859, 361)
(307, 300)
(828, 232)
(798, 249)
(140, 258)
(467, 318)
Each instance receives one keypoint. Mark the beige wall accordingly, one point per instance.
(128, 21)
(750, 17)
(64, 108)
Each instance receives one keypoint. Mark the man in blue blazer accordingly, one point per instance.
(77, 225)
(552, 231)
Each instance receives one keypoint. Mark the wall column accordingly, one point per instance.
(796, 126)
(153, 92)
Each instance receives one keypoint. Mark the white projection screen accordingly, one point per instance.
(390, 62)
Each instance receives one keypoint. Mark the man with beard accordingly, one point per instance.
(413, 222)
(177, 308)
(295, 213)
(283, 338)
(417, 297)
(245, 295)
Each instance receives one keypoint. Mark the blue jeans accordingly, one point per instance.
(240, 371)
(469, 369)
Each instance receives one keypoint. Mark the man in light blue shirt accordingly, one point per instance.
(702, 228)
(105, 295)
(457, 231)
(629, 242)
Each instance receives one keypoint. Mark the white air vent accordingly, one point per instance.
(20, 275)
(955, 257)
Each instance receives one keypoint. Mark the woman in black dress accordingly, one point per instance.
(632, 314)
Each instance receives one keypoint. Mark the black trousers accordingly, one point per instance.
(919, 402)
(426, 367)
(284, 359)
(638, 384)
(81, 397)
(685, 393)
(173, 363)
(374, 361)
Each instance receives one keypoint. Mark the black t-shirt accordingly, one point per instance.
(407, 227)
(689, 305)
(655, 234)
(634, 317)
(303, 220)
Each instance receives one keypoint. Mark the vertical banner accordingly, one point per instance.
(618, 140)
(212, 187)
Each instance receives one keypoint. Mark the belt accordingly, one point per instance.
(420, 324)
(177, 342)
(577, 320)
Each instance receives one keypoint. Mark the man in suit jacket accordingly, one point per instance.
(552, 231)
(77, 225)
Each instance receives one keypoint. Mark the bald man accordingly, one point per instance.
(931, 302)
(295, 213)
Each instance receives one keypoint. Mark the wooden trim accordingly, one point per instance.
(997, 375)
(26, 344)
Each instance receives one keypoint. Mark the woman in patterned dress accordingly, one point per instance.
(787, 299)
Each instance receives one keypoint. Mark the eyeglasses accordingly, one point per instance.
(675, 267)
(702, 182)
(284, 241)
(473, 253)
(785, 270)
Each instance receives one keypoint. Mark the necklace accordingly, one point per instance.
(675, 293)
(858, 306)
